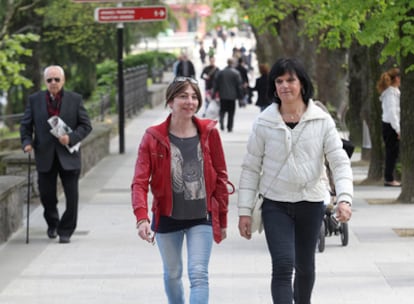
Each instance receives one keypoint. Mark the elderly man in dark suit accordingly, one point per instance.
(52, 154)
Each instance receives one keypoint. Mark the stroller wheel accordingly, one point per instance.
(321, 241)
(344, 234)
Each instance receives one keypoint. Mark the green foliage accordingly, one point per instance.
(107, 73)
(151, 59)
(12, 49)
(336, 24)
(72, 38)
(70, 30)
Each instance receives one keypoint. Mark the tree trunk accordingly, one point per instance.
(270, 47)
(358, 92)
(331, 78)
(373, 116)
(287, 43)
(407, 127)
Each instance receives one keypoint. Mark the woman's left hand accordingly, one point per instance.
(223, 233)
(343, 212)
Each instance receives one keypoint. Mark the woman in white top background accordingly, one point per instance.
(388, 86)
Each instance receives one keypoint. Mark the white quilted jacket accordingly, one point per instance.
(302, 175)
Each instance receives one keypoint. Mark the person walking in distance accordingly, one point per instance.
(182, 161)
(261, 86)
(52, 155)
(228, 84)
(208, 75)
(185, 67)
(245, 82)
(388, 86)
(285, 162)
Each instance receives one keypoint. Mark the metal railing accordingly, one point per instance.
(135, 89)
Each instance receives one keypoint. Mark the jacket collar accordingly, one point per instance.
(271, 114)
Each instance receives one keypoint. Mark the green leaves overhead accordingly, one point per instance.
(71, 28)
(337, 23)
(11, 49)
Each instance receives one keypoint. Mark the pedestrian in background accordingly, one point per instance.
(285, 163)
(175, 65)
(182, 160)
(203, 53)
(245, 82)
(51, 154)
(261, 87)
(388, 86)
(185, 67)
(228, 84)
(208, 75)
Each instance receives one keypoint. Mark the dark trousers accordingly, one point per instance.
(292, 232)
(392, 149)
(48, 196)
(227, 106)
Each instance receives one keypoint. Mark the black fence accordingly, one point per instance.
(135, 90)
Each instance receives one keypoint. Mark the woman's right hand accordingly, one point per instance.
(245, 226)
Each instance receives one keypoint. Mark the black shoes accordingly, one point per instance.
(64, 239)
(51, 233)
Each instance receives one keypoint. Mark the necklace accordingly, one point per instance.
(291, 117)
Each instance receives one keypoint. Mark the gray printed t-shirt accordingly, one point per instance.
(189, 194)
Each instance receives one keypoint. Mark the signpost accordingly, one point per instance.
(120, 15)
(130, 14)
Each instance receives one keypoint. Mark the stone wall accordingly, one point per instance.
(156, 94)
(11, 205)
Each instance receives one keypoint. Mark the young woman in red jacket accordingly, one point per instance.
(182, 159)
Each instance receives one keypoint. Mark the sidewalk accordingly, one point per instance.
(106, 262)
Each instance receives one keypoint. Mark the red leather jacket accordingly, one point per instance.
(153, 168)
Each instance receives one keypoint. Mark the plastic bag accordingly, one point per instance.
(213, 110)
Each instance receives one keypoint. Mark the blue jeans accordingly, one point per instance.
(292, 231)
(199, 245)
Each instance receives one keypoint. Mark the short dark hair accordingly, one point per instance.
(291, 66)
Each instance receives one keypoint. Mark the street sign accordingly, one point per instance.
(130, 14)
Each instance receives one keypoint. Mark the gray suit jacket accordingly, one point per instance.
(34, 122)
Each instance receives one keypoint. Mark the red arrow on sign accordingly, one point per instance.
(130, 14)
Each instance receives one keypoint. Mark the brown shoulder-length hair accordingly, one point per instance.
(264, 69)
(177, 87)
(387, 78)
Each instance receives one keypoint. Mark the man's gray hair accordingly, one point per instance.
(56, 67)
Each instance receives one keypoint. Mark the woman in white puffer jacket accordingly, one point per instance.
(285, 159)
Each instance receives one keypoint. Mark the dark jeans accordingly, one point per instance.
(392, 149)
(227, 106)
(292, 231)
(48, 196)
